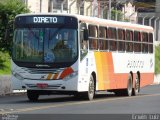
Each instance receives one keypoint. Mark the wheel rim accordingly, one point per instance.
(137, 84)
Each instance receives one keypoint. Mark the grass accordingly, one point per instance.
(5, 63)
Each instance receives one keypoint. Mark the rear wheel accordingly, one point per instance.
(32, 95)
(128, 91)
(136, 88)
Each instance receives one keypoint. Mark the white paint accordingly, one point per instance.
(126, 62)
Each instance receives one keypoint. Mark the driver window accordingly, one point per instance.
(84, 43)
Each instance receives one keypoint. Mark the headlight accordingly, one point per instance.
(75, 73)
(18, 76)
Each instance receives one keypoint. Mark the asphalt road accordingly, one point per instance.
(147, 102)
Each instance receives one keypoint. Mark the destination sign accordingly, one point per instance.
(45, 19)
(40, 20)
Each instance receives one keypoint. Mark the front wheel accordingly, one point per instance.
(32, 95)
(91, 89)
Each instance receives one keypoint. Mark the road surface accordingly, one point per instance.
(146, 103)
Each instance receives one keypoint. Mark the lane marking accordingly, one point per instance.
(76, 103)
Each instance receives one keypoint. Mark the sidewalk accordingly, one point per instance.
(5, 85)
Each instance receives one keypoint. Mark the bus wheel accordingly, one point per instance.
(129, 86)
(136, 88)
(91, 90)
(32, 95)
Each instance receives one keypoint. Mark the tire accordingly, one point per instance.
(129, 86)
(136, 88)
(89, 95)
(32, 95)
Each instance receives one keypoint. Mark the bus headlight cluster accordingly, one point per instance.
(75, 73)
(18, 76)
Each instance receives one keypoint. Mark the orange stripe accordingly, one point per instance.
(49, 76)
(105, 70)
(66, 72)
(121, 79)
(146, 79)
(99, 71)
(55, 76)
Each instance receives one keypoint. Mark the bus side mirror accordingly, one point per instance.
(85, 34)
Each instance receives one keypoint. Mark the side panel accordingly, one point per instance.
(125, 63)
(86, 67)
(113, 68)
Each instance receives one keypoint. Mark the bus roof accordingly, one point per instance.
(99, 21)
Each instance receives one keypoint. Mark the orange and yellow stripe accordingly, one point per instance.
(60, 75)
(106, 77)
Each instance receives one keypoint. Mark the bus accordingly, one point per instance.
(80, 55)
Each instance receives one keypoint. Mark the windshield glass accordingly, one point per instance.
(45, 45)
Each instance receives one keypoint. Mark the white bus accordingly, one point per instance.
(80, 55)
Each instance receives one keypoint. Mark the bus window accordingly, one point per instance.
(150, 43)
(93, 36)
(84, 43)
(129, 41)
(144, 42)
(121, 38)
(137, 41)
(103, 43)
(112, 36)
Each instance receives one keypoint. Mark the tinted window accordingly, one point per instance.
(112, 35)
(93, 35)
(137, 41)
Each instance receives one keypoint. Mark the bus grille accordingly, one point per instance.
(42, 71)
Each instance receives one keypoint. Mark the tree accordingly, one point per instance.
(119, 15)
(157, 59)
(113, 14)
(8, 10)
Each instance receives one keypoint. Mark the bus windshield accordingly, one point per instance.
(45, 45)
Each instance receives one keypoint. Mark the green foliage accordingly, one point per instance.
(157, 59)
(119, 15)
(113, 15)
(4, 63)
(8, 10)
